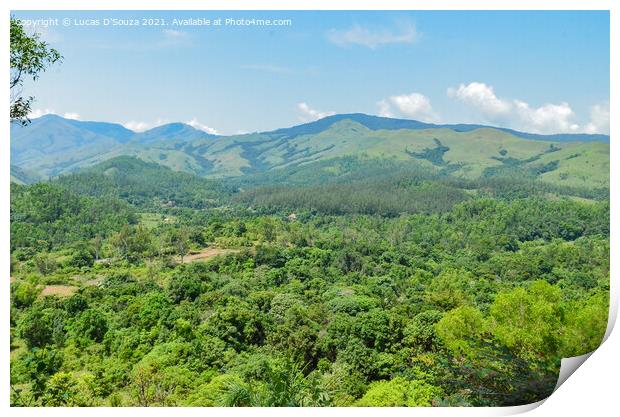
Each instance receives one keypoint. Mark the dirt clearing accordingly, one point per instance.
(206, 254)
(59, 290)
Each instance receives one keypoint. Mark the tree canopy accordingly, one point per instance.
(29, 57)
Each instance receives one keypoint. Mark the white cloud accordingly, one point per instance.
(140, 126)
(372, 38)
(197, 125)
(481, 96)
(549, 118)
(136, 126)
(310, 114)
(518, 114)
(385, 109)
(599, 119)
(36, 113)
(413, 106)
(73, 116)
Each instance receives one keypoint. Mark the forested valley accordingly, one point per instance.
(346, 282)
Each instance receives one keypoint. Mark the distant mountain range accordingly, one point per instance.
(51, 146)
(387, 123)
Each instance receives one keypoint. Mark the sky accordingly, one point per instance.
(535, 71)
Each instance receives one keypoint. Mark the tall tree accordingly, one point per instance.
(29, 56)
(180, 240)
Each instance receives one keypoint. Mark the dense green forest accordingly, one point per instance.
(146, 185)
(347, 282)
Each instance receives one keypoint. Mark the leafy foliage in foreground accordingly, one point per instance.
(470, 303)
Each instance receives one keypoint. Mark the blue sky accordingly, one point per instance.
(535, 71)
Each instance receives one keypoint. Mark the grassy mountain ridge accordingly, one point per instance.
(53, 146)
(387, 123)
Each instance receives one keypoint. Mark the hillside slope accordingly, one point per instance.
(53, 145)
(143, 184)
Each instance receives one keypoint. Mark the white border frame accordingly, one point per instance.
(593, 388)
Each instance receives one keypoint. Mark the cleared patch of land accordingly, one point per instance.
(59, 290)
(206, 254)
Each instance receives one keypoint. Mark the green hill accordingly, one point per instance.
(54, 146)
(477, 153)
(144, 184)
